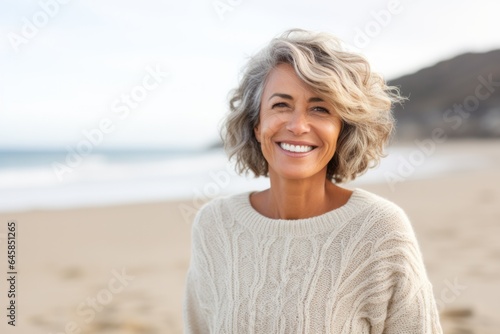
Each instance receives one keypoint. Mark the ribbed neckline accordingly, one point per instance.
(332, 220)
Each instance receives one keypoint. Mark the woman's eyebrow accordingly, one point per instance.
(316, 99)
(284, 96)
(289, 97)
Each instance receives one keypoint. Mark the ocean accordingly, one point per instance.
(45, 180)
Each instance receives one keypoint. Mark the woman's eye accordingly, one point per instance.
(321, 109)
(280, 105)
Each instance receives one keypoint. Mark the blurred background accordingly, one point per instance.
(109, 118)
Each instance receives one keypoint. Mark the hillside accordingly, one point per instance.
(460, 95)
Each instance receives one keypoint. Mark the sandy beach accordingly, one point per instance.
(121, 269)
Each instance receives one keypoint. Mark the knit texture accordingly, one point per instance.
(356, 269)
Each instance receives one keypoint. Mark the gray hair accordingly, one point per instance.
(361, 98)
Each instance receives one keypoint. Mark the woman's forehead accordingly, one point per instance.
(283, 79)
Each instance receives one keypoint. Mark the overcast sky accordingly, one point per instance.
(155, 74)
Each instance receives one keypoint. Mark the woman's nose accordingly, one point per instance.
(298, 123)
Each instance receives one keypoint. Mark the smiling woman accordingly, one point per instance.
(307, 255)
(296, 124)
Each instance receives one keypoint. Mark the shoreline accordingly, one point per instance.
(172, 180)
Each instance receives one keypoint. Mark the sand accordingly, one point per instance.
(121, 269)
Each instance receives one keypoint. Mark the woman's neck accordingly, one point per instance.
(297, 199)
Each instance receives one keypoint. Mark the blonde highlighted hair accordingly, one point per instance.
(360, 97)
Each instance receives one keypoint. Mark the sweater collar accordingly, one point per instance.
(246, 215)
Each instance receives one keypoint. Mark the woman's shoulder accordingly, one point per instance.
(371, 200)
(220, 207)
(225, 202)
(382, 213)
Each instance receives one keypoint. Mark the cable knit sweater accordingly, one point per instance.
(357, 269)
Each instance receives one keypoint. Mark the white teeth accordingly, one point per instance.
(295, 148)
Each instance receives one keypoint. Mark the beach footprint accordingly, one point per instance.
(464, 320)
(457, 320)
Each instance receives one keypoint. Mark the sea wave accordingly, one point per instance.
(105, 180)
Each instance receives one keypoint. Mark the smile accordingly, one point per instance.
(296, 148)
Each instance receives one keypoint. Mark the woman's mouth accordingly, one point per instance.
(296, 148)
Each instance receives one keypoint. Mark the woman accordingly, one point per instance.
(306, 255)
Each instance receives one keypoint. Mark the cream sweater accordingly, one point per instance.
(357, 269)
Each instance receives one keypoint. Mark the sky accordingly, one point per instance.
(148, 74)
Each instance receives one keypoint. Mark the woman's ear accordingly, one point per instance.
(256, 131)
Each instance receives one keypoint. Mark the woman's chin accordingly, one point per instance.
(294, 173)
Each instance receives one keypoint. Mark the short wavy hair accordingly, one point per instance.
(361, 99)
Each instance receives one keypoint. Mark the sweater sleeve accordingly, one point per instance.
(195, 320)
(195, 314)
(413, 313)
(412, 307)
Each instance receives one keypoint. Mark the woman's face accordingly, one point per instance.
(297, 129)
